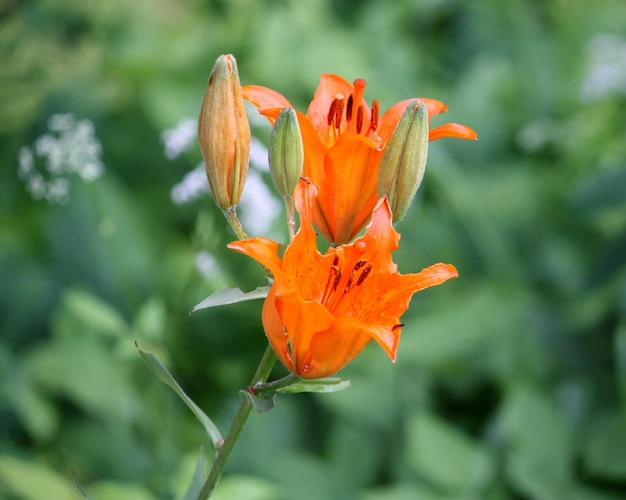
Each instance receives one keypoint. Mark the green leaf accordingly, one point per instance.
(248, 487)
(226, 296)
(327, 385)
(539, 444)
(197, 480)
(95, 313)
(161, 372)
(446, 456)
(79, 487)
(32, 480)
(605, 450)
(262, 402)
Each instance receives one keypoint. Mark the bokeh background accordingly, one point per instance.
(510, 382)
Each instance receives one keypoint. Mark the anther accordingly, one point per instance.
(331, 112)
(338, 112)
(349, 108)
(364, 274)
(374, 117)
(359, 119)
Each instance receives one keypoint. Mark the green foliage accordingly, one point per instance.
(510, 381)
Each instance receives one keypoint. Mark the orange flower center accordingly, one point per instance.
(342, 117)
(334, 294)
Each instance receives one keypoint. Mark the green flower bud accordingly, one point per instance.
(286, 152)
(224, 133)
(404, 160)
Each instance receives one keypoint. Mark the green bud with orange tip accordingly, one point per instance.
(403, 163)
(286, 152)
(224, 133)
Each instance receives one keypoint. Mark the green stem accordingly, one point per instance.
(262, 372)
(274, 385)
(291, 217)
(231, 217)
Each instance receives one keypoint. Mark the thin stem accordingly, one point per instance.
(262, 372)
(233, 220)
(274, 385)
(291, 217)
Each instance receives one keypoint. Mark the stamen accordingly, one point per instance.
(337, 278)
(364, 274)
(359, 119)
(338, 112)
(349, 108)
(399, 325)
(374, 117)
(331, 112)
(333, 270)
(359, 264)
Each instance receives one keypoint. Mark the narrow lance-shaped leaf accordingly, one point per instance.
(230, 296)
(161, 372)
(197, 480)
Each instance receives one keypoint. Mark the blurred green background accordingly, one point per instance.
(510, 381)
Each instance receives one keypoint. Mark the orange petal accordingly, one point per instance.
(330, 87)
(351, 168)
(263, 97)
(303, 320)
(452, 130)
(263, 250)
(391, 117)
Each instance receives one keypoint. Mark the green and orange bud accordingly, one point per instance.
(403, 163)
(224, 133)
(286, 152)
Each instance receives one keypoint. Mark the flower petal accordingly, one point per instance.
(391, 117)
(452, 130)
(263, 97)
(330, 88)
(263, 250)
(351, 170)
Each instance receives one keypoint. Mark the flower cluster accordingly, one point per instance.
(343, 166)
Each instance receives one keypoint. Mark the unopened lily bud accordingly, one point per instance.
(224, 133)
(404, 160)
(286, 152)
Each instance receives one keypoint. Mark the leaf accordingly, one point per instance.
(79, 487)
(161, 372)
(197, 480)
(447, 457)
(605, 450)
(32, 480)
(326, 385)
(227, 295)
(262, 402)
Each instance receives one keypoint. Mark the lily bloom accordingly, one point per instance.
(343, 143)
(322, 310)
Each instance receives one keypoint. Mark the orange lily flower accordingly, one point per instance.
(322, 310)
(343, 143)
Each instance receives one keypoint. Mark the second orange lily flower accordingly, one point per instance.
(344, 139)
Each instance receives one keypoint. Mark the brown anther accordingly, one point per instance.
(359, 119)
(338, 113)
(332, 111)
(349, 108)
(359, 265)
(364, 274)
(337, 278)
(399, 325)
(374, 117)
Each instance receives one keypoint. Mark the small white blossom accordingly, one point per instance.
(607, 67)
(178, 139)
(69, 147)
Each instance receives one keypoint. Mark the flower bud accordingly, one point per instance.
(286, 152)
(404, 160)
(224, 133)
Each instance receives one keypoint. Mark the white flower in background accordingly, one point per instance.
(69, 147)
(607, 67)
(193, 186)
(206, 264)
(259, 206)
(178, 139)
